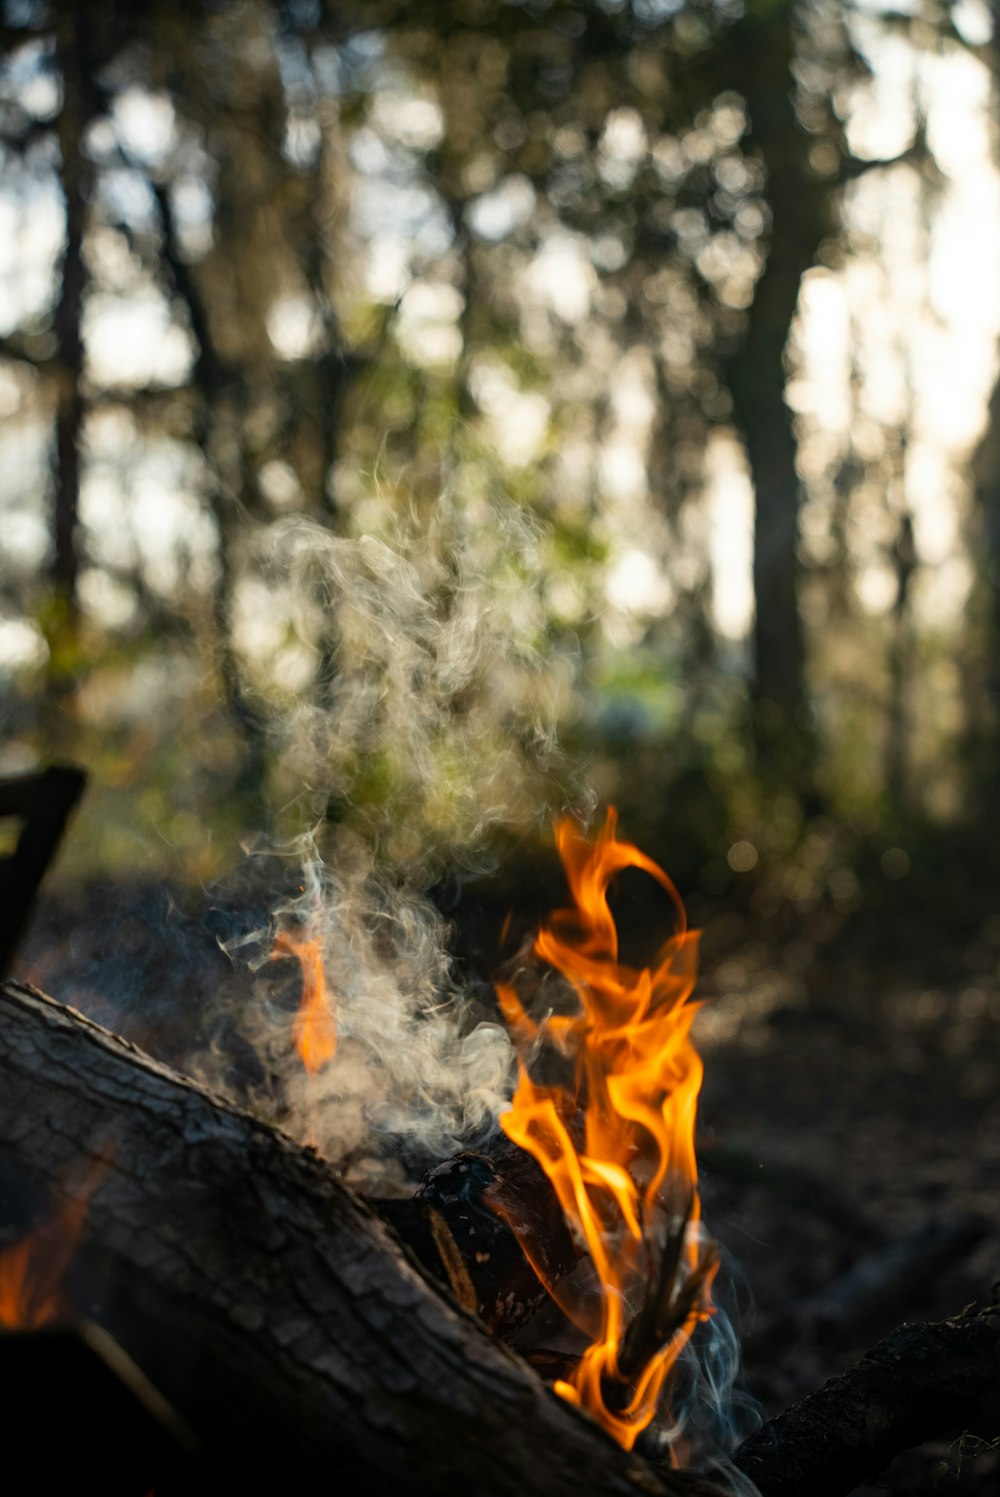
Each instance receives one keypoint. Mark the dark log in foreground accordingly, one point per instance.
(269, 1305)
(921, 1382)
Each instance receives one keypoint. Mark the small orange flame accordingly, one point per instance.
(32, 1270)
(315, 1027)
(625, 1175)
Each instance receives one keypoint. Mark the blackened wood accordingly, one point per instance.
(268, 1304)
(280, 1317)
(469, 1208)
(921, 1382)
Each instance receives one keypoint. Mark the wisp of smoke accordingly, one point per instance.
(419, 1071)
(715, 1413)
(434, 721)
(429, 722)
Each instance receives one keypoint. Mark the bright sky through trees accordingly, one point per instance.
(915, 306)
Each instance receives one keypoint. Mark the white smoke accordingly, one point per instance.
(428, 723)
(418, 1073)
(435, 717)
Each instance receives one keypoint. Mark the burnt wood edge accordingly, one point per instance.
(923, 1381)
(465, 1225)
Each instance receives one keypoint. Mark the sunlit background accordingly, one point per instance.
(675, 323)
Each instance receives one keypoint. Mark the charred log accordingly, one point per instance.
(920, 1382)
(459, 1226)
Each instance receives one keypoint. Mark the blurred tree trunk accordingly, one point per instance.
(986, 470)
(800, 203)
(329, 375)
(76, 63)
(215, 383)
(904, 564)
(986, 478)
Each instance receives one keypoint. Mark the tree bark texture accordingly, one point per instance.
(273, 1309)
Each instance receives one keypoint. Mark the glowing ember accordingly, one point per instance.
(32, 1270)
(315, 1027)
(617, 1139)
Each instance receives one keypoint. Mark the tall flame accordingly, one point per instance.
(617, 1139)
(315, 1029)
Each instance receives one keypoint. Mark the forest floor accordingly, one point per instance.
(846, 1101)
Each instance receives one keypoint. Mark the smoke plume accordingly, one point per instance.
(428, 722)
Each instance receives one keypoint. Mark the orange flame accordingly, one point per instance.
(626, 1177)
(32, 1270)
(315, 1027)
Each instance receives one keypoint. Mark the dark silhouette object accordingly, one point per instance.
(43, 801)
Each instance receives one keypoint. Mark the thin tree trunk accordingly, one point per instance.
(904, 561)
(214, 380)
(800, 219)
(986, 469)
(73, 48)
(983, 727)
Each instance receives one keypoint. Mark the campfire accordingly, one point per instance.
(273, 1311)
(629, 1191)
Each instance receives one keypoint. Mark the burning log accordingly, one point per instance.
(268, 1304)
(615, 1136)
(459, 1227)
(920, 1382)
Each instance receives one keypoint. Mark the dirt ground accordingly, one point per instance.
(846, 1105)
(848, 1100)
